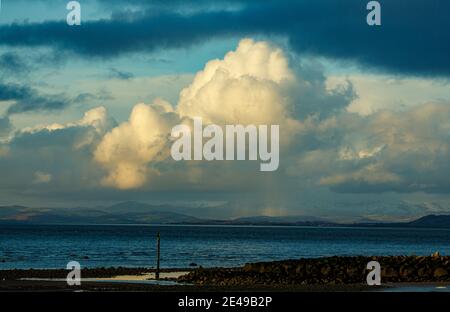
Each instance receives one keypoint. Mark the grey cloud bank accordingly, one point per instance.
(330, 28)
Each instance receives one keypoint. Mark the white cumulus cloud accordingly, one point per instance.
(126, 150)
(249, 86)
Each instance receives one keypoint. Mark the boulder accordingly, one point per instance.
(435, 254)
(325, 270)
(440, 272)
(389, 272)
(406, 271)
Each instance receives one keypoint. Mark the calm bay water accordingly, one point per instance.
(53, 246)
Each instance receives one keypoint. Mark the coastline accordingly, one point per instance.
(402, 273)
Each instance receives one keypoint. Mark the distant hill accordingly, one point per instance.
(430, 221)
(287, 220)
(118, 214)
(438, 221)
(131, 207)
(141, 213)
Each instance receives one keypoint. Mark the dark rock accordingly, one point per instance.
(248, 267)
(406, 271)
(440, 272)
(435, 255)
(325, 270)
(423, 272)
(389, 272)
(351, 270)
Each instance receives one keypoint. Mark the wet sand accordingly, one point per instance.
(119, 285)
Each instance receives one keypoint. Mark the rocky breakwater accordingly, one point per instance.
(326, 271)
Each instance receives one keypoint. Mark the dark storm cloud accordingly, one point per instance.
(413, 38)
(100, 95)
(12, 63)
(120, 74)
(28, 99)
(24, 63)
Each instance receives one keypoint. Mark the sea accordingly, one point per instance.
(182, 246)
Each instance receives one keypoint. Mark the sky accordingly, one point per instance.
(364, 111)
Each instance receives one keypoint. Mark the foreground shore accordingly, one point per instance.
(322, 274)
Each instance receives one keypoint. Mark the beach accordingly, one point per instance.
(413, 273)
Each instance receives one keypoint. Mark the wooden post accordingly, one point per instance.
(158, 255)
